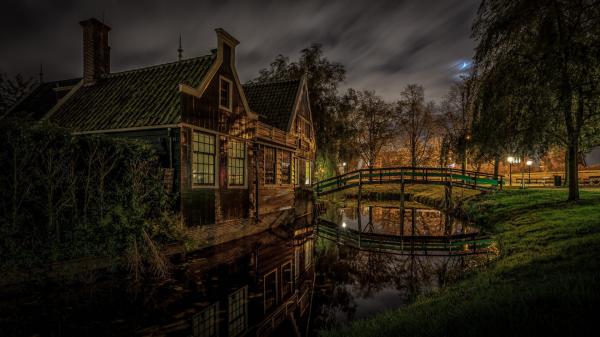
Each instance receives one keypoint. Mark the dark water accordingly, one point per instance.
(353, 283)
(258, 286)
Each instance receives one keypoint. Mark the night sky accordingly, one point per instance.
(384, 45)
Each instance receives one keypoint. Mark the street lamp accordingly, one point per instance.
(510, 160)
(344, 165)
(529, 163)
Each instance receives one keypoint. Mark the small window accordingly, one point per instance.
(225, 94)
(203, 159)
(238, 311)
(205, 323)
(286, 167)
(236, 163)
(270, 165)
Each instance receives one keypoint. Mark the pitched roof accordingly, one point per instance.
(273, 101)
(41, 99)
(134, 98)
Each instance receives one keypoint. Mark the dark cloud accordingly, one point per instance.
(383, 44)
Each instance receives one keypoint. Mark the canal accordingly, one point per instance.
(285, 282)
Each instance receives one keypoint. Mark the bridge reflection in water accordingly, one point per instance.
(384, 257)
(415, 229)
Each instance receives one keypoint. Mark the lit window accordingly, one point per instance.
(286, 167)
(307, 173)
(203, 159)
(238, 311)
(205, 323)
(225, 94)
(236, 163)
(270, 165)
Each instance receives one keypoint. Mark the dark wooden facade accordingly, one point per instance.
(232, 172)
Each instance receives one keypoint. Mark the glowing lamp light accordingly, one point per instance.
(344, 164)
(344, 224)
(529, 163)
(510, 159)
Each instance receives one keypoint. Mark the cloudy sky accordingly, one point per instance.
(384, 45)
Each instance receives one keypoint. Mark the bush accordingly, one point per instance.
(66, 196)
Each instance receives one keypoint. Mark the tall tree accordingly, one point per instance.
(556, 43)
(371, 123)
(415, 120)
(457, 118)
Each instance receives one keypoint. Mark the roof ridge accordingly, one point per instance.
(249, 84)
(157, 66)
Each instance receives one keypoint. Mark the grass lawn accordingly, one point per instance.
(546, 281)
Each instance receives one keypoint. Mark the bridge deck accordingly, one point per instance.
(410, 175)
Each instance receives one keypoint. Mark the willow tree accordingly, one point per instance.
(556, 43)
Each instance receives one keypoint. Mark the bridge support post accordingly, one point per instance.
(402, 212)
(359, 206)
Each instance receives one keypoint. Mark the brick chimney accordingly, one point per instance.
(96, 52)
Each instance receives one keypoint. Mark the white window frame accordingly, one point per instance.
(245, 184)
(216, 164)
(265, 289)
(229, 107)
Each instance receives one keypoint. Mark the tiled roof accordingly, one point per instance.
(273, 101)
(41, 99)
(135, 98)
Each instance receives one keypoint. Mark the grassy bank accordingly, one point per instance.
(545, 281)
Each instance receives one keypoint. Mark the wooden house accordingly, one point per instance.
(235, 156)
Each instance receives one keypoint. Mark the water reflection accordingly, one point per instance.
(354, 282)
(392, 219)
(256, 286)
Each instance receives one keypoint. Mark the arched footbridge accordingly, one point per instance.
(410, 175)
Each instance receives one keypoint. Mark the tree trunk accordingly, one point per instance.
(566, 169)
(573, 173)
(496, 166)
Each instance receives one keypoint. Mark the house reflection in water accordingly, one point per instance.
(261, 286)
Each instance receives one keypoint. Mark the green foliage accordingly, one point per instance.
(324, 167)
(543, 283)
(67, 197)
(539, 74)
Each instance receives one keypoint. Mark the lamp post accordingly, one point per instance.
(344, 165)
(510, 160)
(529, 163)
